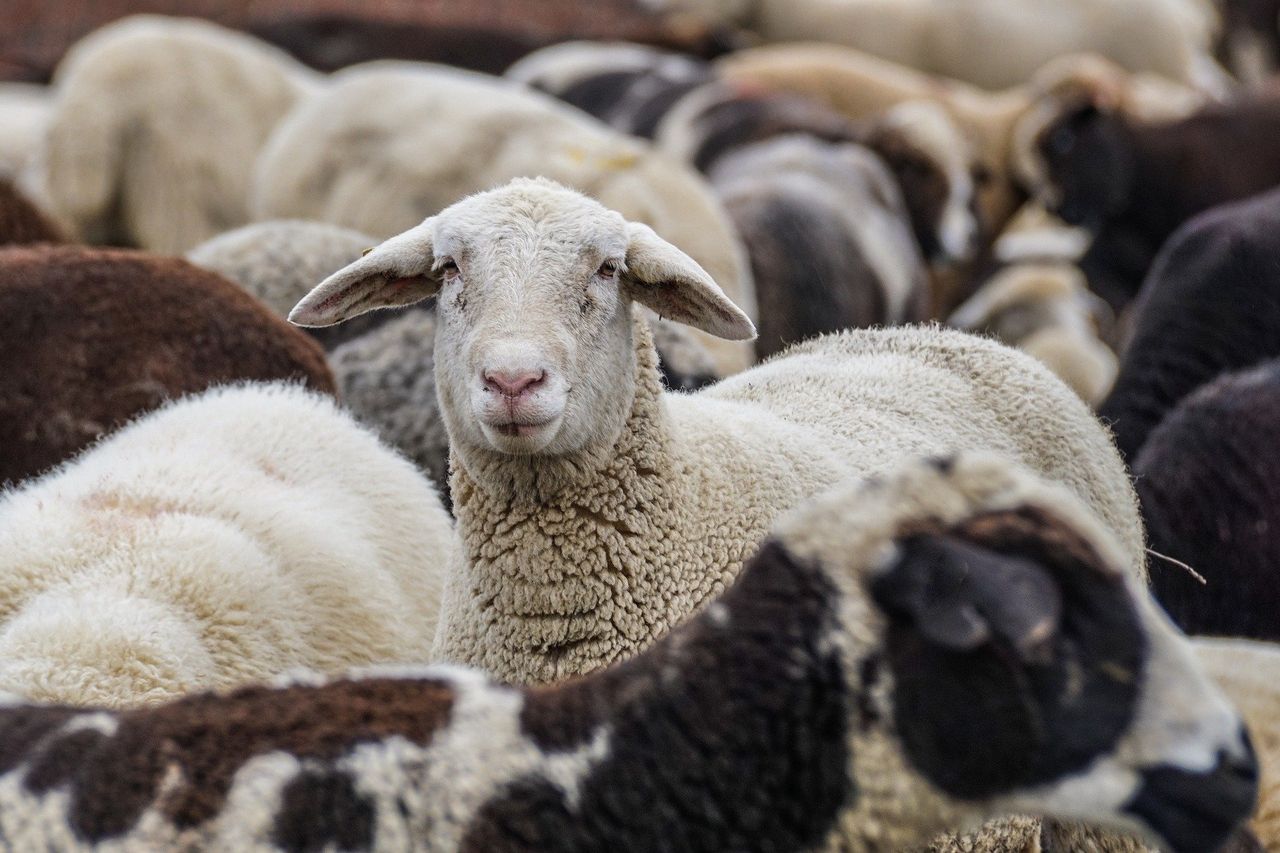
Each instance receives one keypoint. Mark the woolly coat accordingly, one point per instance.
(570, 564)
(1249, 673)
(354, 156)
(155, 126)
(279, 261)
(223, 539)
(103, 335)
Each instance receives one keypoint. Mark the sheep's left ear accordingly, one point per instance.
(397, 272)
(666, 280)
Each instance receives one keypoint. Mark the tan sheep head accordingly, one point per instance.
(534, 285)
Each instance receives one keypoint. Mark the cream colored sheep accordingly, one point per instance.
(1047, 311)
(390, 143)
(820, 704)
(999, 43)
(155, 126)
(1249, 674)
(24, 113)
(598, 512)
(222, 539)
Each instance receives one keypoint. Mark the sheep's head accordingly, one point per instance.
(534, 285)
(1012, 663)
(1070, 152)
(936, 166)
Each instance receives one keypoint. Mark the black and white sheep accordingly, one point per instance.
(1210, 305)
(98, 336)
(958, 641)
(828, 236)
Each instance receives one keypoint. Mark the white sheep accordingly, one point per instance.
(389, 143)
(222, 539)
(999, 43)
(24, 113)
(958, 641)
(155, 126)
(598, 512)
(280, 260)
(1047, 311)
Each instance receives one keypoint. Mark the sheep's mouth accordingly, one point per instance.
(515, 429)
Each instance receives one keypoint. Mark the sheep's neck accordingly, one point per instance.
(552, 546)
(731, 733)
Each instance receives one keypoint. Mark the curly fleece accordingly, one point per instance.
(572, 563)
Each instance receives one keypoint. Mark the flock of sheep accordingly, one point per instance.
(797, 449)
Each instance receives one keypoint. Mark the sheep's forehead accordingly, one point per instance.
(534, 222)
(932, 132)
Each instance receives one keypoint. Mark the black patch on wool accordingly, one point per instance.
(321, 809)
(728, 735)
(988, 696)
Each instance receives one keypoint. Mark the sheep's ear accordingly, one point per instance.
(1017, 653)
(397, 272)
(666, 280)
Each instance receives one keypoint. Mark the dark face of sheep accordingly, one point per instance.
(1085, 167)
(534, 284)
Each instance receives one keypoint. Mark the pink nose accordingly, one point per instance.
(513, 384)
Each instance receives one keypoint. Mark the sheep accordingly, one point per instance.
(672, 99)
(486, 37)
(1209, 306)
(828, 235)
(862, 86)
(211, 543)
(279, 261)
(841, 693)
(1202, 479)
(352, 156)
(24, 113)
(386, 377)
(1000, 43)
(21, 221)
(627, 86)
(1047, 311)
(1249, 41)
(1249, 674)
(103, 335)
(1133, 182)
(594, 521)
(155, 126)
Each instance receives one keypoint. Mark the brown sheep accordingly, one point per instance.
(22, 222)
(98, 336)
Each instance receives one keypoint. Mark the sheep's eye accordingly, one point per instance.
(607, 270)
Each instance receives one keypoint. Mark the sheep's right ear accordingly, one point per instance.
(672, 284)
(397, 272)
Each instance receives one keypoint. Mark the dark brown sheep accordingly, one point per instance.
(1133, 182)
(1211, 305)
(1209, 482)
(94, 337)
(22, 222)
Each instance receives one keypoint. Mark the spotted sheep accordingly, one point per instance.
(847, 687)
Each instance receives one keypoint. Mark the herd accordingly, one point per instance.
(656, 425)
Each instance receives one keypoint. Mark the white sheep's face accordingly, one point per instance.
(534, 285)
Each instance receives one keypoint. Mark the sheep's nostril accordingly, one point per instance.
(513, 383)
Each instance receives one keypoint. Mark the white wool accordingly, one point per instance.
(24, 113)
(279, 261)
(155, 126)
(390, 143)
(1000, 43)
(225, 538)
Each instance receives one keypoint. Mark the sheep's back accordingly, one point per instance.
(104, 335)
